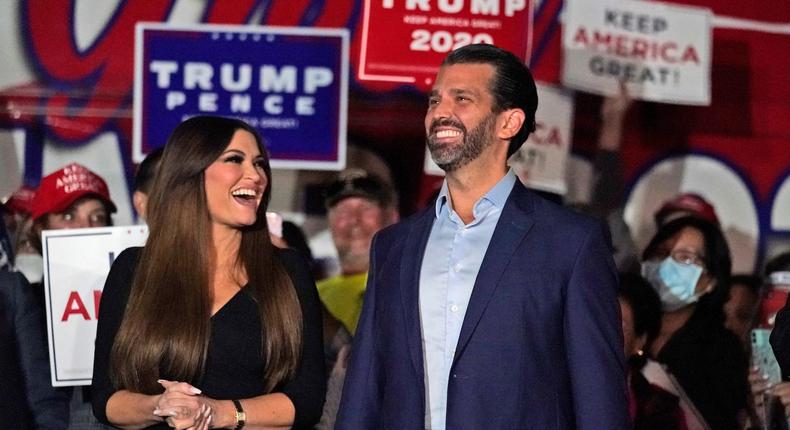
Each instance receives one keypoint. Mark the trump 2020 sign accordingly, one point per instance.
(291, 84)
(405, 41)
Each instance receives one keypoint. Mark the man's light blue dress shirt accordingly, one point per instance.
(453, 256)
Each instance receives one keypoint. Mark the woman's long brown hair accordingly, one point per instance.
(166, 326)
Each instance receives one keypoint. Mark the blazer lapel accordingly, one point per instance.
(411, 264)
(514, 223)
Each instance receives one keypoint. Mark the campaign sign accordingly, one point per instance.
(541, 162)
(662, 52)
(406, 40)
(76, 264)
(291, 84)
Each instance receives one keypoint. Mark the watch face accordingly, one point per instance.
(241, 417)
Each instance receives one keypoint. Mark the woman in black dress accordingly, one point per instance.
(209, 325)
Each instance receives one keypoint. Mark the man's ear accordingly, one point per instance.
(511, 122)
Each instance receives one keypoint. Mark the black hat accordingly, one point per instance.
(357, 183)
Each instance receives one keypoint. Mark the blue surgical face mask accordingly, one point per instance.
(675, 283)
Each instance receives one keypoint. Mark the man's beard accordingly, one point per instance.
(450, 158)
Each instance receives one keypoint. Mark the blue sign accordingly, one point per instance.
(289, 83)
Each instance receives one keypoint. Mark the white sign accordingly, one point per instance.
(542, 160)
(76, 264)
(661, 51)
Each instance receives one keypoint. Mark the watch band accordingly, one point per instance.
(241, 417)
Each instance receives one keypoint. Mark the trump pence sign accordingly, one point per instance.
(291, 84)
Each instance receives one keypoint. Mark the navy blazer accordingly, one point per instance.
(541, 343)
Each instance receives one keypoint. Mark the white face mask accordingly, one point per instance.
(31, 265)
(675, 283)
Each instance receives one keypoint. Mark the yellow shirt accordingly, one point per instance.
(342, 296)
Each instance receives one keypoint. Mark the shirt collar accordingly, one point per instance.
(497, 195)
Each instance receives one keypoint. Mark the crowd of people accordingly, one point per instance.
(490, 308)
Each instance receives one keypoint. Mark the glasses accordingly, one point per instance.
(687, 258)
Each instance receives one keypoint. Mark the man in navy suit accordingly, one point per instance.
(493, 308)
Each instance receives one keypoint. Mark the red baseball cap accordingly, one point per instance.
(686, 204)
(60, 189)
(21, 200)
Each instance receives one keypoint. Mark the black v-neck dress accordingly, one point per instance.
(234, 364)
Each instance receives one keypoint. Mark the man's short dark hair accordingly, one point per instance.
(512, 86)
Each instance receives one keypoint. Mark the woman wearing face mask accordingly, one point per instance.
(688, 264)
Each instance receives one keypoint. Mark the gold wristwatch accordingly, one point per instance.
(241, 417)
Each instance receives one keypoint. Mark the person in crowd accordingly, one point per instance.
(774, 314)
(69, 198)
(656, 401)
(143, 181)
(27, 398)
(686, 204)
(21, 254)
(608, 185)
(360, 155)
(774, 296)
(209, 324)
(609, 180)
(688, 264)
(294, 238)
(740, 310)
(358, 205)
(16, 212)
(72, 197)
(494, 308)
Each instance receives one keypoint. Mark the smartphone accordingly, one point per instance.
(763, 356)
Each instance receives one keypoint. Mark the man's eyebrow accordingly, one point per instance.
(463, 91)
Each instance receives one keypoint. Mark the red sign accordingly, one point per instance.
(406, 40)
